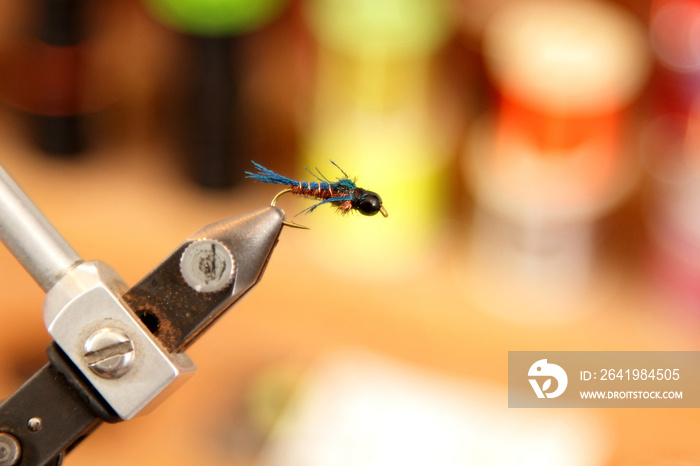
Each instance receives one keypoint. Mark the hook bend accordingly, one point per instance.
(285, 222)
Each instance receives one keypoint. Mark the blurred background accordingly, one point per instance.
(539, 161)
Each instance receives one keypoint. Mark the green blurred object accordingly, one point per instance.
(215, 17)
(377, 113)
(388, 28)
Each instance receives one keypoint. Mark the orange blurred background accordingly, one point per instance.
(538, 163)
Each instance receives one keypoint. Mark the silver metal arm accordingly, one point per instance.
(30, 237)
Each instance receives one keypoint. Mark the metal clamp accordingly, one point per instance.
(88, 319)
(120, 350)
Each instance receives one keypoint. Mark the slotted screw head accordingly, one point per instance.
(109, 353)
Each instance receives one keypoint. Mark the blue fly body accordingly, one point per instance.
(342, 193)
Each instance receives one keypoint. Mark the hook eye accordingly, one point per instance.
(285, 222)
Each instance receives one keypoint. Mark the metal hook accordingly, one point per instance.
(289, 224)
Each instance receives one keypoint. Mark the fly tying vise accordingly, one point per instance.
(343, 194)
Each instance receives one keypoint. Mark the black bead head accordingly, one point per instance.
(366, 202)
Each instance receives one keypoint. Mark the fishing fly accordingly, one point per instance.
(343, 193)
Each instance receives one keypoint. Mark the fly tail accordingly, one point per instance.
(266, 175)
